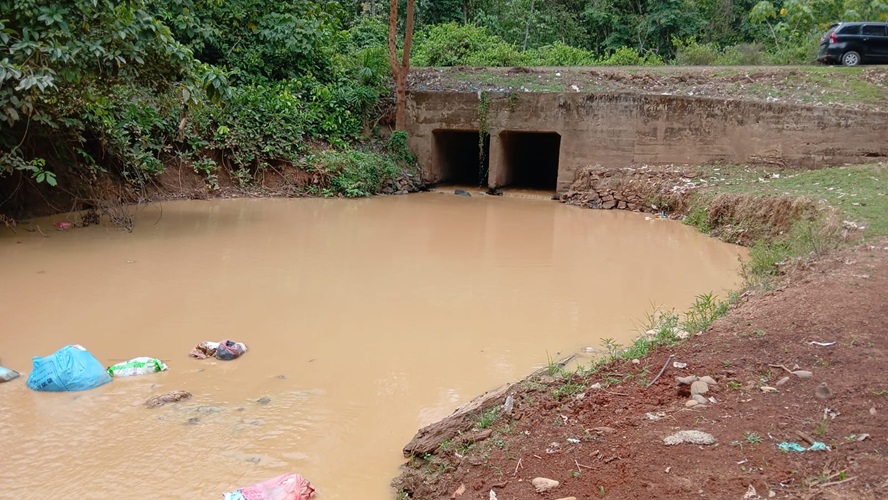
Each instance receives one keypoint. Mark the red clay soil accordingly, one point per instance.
(609, 443)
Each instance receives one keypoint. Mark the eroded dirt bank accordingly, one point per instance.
(609, 442)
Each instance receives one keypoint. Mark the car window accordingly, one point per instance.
(849, 30)
(873, 29)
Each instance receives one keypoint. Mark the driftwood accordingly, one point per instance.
(430, 437)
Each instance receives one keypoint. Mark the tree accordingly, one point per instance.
(399, 71)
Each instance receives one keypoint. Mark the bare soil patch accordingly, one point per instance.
(608, 442)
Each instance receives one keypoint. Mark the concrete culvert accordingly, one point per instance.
(457, 157)
(529, 160)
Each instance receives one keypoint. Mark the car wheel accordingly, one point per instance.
(851, 58)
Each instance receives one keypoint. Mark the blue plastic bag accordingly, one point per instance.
(71, 368)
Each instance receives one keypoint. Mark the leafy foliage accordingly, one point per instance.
(122, 87)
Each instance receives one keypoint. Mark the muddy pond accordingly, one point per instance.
(365, 320)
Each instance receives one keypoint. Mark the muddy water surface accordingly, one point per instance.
(365, 319)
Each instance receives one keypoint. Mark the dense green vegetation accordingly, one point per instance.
(100, 87)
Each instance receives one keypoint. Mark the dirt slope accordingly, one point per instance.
(609, 443)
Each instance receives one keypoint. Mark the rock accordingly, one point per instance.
(508, 405)
(873, 411)
(699, 399)
(823, 391)
(461, 192)
(170, 397)
(691, 403)
(602, 430)
(803, 374)
(682, 334)
(209, 409)
(782, 381)
(596, 385)
(193, 421)
(690, 437)
(690, 379)
(767, 389)
(751, 494)
(544, 484)
(636, 361)
(264, 400)
(459, 491)
(709, 380)
(567, 498)
(699, 387)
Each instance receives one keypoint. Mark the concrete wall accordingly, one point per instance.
(625, 129)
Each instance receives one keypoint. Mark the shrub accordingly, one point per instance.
(559, 54)
(690, 53)
(452, 44)
(744, 54)
(624, 56)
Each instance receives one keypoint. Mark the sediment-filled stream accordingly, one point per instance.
(365, 320)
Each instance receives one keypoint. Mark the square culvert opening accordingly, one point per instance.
(530, 159)
(457, 157)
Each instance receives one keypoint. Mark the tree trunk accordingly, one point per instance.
(399, 71)
(527, 27)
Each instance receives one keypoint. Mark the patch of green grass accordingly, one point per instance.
(752, 438)
(860, 192)
(842, 200)
(734, 385)
(698, 217)
(843, 85)
(706, 309)
(567, 389)
(488, 417)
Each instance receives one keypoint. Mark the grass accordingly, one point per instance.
(802, 84)
(568, 389)
(859, 192)
(658, 328)
(488, 417)
(785, 214)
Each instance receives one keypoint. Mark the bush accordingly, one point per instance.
(355, 173)
(452, 44)
(691, 53)
(559, 54)
(624, 56)
(744, 54)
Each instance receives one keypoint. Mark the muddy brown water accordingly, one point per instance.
(365, 319)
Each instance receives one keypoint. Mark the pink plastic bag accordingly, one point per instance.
(286, 487)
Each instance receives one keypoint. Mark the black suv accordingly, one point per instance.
(854, 43)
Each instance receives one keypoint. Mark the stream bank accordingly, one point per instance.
(599, 431)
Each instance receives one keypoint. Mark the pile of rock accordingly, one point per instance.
(642, 188)
(699, 387)
(404, 183)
